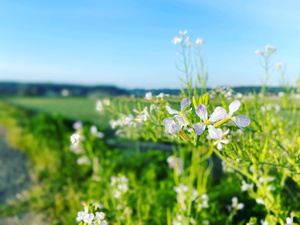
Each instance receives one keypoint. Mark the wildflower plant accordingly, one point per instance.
(252, 141)
(91, 216)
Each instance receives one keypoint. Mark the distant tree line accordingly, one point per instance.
(55, 90)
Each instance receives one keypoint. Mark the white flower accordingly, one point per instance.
(94, 131)
(148, 95)
(260, 201)
(181, 189)
(106, 101)
(236, 205)
(217, 115)
(154, 107)
(170, 126)
(177, 40)
(219, 141)
(279, 65)
(83, 160)
(264, 222)
(143, 116)
(82, 214)
(245, 186)
(75, 138)
(239, 95)
(98, 206)
(119, 185)
(77, 125)
(113, 123)
(289, 220)
(240, 121)
(99, 106)
(89, 218)
(183, 32)
(179, 115)
(77, 149)
(175, 163)
(258, 52)
(204, 202)
(199, 41)
(270, 49)
(99, 216)
(162, 95)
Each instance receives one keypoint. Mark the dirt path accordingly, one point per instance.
(14, 181)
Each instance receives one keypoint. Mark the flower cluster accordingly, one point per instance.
(175, 163)
(119, 186)
(268, 50)
(101, 103)
(225, 92)
(210, 123)
(96, 218)
(183, 193)
(177, 40)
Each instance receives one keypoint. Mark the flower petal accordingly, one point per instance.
(218, 114)
(167, 123)
(171, 111)
(226, 132)
(187, 112)
(184, 103)
(234, 106)
(241, 121)
(214, 133)
(174, 128)
(199, 128)
(224, 141)
(180, 120)
(219, 146)
(201, 111)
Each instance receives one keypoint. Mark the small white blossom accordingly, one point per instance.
(270, 49)
(236, 205)
(183, 112)
(183, 32)
(81, 215)
(89, 218)
(119, 185)
(219, 141)
(260, 201)
(245, 186)
(199, 41)
(83, 160)
(77, 125)
(154, 107)
(175, 163)
(99, 106)
(289, 220)
(94, 131)
(279, 65)
(171, 126)
(75, 138)
(264, 222)
(148, 95)
(177, 40)
(162, 95)
(258, 52)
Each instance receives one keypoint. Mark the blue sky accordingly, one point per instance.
(128, 43)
